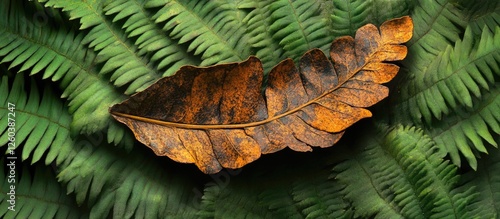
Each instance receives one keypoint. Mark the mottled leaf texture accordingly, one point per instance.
(216, 117)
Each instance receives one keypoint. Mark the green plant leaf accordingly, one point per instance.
(260, 37)
(298, 27)
(120, 57)
(208, 28)
(443, 106)
(454, 77)
(42, 124)
(466, 131)
(401, 174)
(58, 53)
(348, 16)
(437, 25)
(487, 182)
(260, 192)
(149, 38)
(37, 194)
(127, 185)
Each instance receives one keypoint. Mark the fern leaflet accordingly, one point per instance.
(149, 38)
(118, 55)
(59, 54)
(206, 26)
(466, 131)
(298, 26)
(43, 125)
(38, 195)
(453, 77)
(391, 178)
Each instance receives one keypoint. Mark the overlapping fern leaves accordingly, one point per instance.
(209, 28)
(297, 26)
(399, 174)
(149, 38)
(40, 196)
(42, 126)
(443, 107)
(470, 132)
(59, 52)
(260, 37)
(453, 69)
(486, 180)
(348, 16)
(41, 123)
(262, 194)
(127, 185)
(120, 58)
(95, 175)
(402, 175)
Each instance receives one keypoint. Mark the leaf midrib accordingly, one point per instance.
(239, 125)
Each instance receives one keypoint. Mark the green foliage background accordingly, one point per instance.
(429, 152)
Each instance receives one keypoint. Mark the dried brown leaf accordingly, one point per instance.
(216, 117)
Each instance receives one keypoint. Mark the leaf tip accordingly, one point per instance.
(398, 30)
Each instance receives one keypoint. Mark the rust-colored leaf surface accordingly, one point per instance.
(217, 117)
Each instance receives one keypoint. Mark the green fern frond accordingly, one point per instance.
(348, 16)
(321, 198)
(383, 10)
(37, 196)
(280, 201)
(298, 26)
(220, 201)
(477, 9)
(260, 38)
(401, 175)
(209, 29)
(486, 181)
(121, 58)
(437, 24)
(448, 94)
(208, 204)
(127, 185)
(466, 131)
(42, 125)
(453, 78)
(58, 54)
(489, 20)
(312, 195)
(148, 37)
(309, 193)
